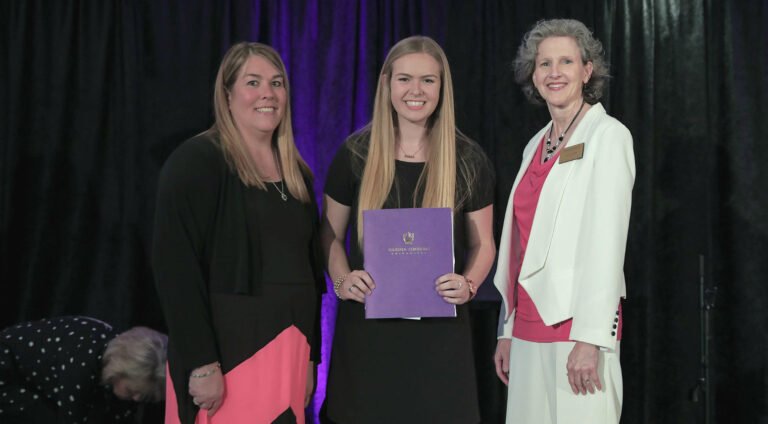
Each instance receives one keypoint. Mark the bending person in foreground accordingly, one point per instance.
(561, 256)
(78, 370)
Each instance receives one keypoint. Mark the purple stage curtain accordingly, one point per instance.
(94, 96)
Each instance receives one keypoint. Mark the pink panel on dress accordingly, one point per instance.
(260, 388)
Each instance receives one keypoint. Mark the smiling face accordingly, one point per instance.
(560, 73)
(415, 87)
(257, 98)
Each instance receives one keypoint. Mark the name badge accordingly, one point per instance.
(572, 153)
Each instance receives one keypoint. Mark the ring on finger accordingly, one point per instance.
(459, 288)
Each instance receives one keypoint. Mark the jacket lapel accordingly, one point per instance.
(503, 264)
(546, 216)
(552, 193)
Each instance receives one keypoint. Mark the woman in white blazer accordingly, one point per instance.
(561, 256)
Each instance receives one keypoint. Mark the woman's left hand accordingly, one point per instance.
(207, 392)
(582, 368)
(454, 288)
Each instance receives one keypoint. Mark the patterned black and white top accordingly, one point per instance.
(52, 368)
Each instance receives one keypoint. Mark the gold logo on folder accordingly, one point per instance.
(409, 237)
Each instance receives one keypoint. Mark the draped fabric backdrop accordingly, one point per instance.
(95, 95)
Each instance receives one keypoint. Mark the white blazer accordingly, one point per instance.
(574, 261)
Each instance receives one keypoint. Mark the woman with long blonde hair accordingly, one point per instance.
(410, 155)
(235, 257)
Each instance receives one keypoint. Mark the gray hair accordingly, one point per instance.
(591, 51)
(139, 355)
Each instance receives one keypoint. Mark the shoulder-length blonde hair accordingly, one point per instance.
(438, 179)
(231, 142)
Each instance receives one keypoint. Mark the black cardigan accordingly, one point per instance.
(202, 244)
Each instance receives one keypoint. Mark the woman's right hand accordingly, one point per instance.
(207, 392)
(356, 286)
(501, 359)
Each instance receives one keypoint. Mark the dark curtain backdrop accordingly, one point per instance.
(96, 94)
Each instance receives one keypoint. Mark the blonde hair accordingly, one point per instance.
(437, 181)
(138, 355)
(231, 142)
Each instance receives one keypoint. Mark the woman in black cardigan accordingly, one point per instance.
(234, 255)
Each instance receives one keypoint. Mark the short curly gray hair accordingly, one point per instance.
(139, 355)
(591, 51)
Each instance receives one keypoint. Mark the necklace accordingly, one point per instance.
(282, 180)
(549, 147)
(413, 156)
(282, 193)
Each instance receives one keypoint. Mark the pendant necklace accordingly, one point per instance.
(282, 193)
(413, 156)
(550, 149)
(282, 179)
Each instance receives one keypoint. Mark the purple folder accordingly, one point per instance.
(405, 251)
